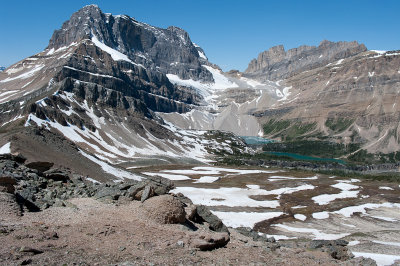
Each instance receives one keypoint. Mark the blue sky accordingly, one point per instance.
(231, 32)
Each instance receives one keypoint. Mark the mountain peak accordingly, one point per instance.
(149, 46)
(276, 63)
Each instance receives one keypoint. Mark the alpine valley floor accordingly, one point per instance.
(294, 205)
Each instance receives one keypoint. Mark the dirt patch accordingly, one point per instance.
(96, 233)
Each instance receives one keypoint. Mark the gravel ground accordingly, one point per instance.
(94, 233)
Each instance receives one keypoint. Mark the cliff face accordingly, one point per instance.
(167, 50)
(276, 63)
(351, 100)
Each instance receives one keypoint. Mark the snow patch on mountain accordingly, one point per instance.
(117, 56)
(206, 90)
(25, 75)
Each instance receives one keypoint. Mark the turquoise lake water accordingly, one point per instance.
(251, 140)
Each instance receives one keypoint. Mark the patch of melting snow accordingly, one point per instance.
(300, 217)
(277, 178)
(347, 192)
(279, 237)
(348, 211)
(119, 173)
(253, 186)
(207, 179)
(396, 244)
(299, 207)
(230, 197)
(116, 55)
(381, 259)
(353, 243)
(317, 233)
(205, 170)
(6, 148)
(387, 219)
(25, 75)
(244, 219)
(236, 197)
(92, 180)
(168, 176)
(386, 188)
(205, 89)
(320, 215)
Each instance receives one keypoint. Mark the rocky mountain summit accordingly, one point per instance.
(101, 83)
(166, 50)
(277, 64)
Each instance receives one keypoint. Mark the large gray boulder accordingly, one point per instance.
(164, 209)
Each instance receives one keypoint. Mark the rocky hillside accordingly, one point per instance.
(277, 64)
(337, 91)
(99, 84)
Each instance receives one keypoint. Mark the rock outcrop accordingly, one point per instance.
(277, 64)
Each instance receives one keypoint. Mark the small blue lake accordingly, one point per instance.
(305, 157)
(251, 140)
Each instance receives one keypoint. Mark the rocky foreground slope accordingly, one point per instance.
(52, 216)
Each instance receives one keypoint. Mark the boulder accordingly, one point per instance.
(56, 175)
(161, 185)
(40, 166)
(147, 193)
(210, 241)
(110, 193)
(7, 184)
(336, 248)
(215, 224)
(133, 191)
(164, 209)
(246, 231)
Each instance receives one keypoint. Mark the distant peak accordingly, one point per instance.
(89, 10)
(325, 43)
(277, 48)
(92, 6)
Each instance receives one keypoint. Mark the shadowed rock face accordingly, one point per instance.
(276, 63)
(167, 50)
